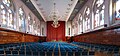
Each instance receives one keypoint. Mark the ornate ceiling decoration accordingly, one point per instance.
(65, 8)
(77, 8)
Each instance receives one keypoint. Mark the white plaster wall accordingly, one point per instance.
(18, 4)
(68, 25)
(90, 4)
(43, 25)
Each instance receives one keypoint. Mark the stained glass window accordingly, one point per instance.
(42, 31)
(7, 14)
(3, 14)
(69, 31)
(38, 29)
(80, 21)
(73, 29)
(117, 9)
(35, 26)
(30, 22)
(87, 19)
(98, 13)
(76, 26)
(21, 20)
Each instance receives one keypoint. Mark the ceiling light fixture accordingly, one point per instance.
(54, 14)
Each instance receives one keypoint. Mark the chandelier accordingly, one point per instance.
(54, 15)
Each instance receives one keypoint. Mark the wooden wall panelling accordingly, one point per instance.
(10, 36)
(109, 35)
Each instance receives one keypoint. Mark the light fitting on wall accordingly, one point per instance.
(54, 15)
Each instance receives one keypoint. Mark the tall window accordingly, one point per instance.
(35, 26)
(21, 20)
(98, 13)
(3, 18)
(30, 22)
(42, 31)
(80, 21)
(76, 26)
(117, 11)
(73, 27)
(69, 31)
(87, 19)
(7, 14)
(38, 29)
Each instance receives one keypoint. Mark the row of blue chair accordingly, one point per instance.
(99, 47)
(43, 49)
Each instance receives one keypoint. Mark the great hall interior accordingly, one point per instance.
(59, 27)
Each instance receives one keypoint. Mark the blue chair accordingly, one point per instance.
(42, 53)
(1, 52)
(49, 53)
(35, 53)
(14, 52)
(22, 53)
(91, 53)
(84, 53)
(8, 53)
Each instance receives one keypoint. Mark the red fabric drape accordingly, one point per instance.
(56, 34)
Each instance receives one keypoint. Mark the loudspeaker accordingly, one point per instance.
(105, 25)
(81, 32)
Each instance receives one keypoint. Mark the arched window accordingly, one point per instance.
(22, 27)
(75, 26)
(98, 13)
(69, 31)
(38, 29)
(30, 22)
(35, 26)
(42, 31)
(3, 16)
(117, 11)
(80, 21)
(7, 14)
(87, 19)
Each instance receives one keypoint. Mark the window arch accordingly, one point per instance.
(30, 22)
(22, 16)
(87, 19)
(98, 11)
(80, 22)
(7, 9)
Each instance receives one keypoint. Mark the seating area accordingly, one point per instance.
(115, 50)
(55, 49)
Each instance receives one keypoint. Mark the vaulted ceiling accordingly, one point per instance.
(67, 9)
